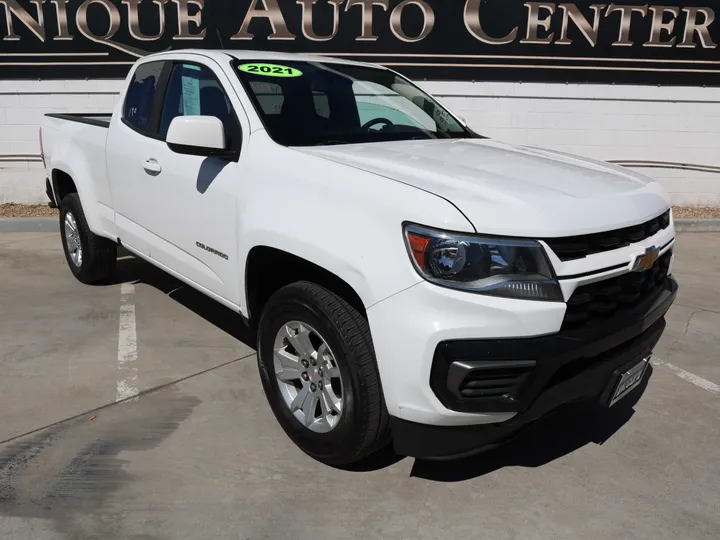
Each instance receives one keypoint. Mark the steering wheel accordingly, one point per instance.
(367, 125)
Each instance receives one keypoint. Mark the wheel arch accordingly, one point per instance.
(268, 269)
(71, 170)
(62, 184)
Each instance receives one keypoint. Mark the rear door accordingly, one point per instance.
(185, 205)
(127, 147)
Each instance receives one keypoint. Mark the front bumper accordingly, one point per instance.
(556, 369)
(408, 327)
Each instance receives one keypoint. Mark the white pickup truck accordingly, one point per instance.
(409, 280)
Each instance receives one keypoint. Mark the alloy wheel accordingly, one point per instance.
(308, 376)
(72, 239)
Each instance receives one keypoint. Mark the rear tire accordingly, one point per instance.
(91, 258)
(362, 427)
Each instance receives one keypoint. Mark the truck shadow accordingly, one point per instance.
(565, 430)
(132, 269)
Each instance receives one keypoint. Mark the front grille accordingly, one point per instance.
(576, 247)
(610, 297)
(495, 380)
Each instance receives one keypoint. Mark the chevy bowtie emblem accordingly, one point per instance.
(646, 260)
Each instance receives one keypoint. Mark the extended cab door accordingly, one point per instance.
(180, 209)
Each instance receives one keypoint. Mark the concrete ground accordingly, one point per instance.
(200, 455)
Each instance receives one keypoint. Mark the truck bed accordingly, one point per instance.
(96, 119)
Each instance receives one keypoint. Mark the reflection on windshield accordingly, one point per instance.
(314, 103)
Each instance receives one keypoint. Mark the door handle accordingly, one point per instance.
(152, 166)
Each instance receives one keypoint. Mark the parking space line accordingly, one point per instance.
(690, 377)
(127, 382)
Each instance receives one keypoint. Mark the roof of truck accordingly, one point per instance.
(240, 54)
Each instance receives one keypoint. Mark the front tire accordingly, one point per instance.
(91, 258)
(319, 372)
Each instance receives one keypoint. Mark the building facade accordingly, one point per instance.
(633, 83)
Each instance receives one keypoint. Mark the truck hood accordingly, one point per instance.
(510, 190)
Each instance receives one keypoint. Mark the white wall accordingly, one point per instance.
(22, 106)
(677, 125)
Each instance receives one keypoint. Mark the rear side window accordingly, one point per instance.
(140, 95)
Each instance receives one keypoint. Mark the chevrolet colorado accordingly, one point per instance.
(408, 279)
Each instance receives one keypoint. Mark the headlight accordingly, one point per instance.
(494, 266)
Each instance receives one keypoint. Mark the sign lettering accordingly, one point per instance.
(514, 40)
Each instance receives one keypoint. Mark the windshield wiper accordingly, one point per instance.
(330, 142)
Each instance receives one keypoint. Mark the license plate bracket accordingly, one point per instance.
(625, 379)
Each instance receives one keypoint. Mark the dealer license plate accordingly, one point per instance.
(629, 380)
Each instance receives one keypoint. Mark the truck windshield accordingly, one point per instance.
(316, 103)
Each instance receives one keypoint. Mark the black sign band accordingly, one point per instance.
(502, 40)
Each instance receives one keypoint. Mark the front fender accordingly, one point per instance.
(347, 221)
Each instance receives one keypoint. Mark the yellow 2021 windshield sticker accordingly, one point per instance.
(270, 70)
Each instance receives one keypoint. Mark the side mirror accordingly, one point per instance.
(197, 136)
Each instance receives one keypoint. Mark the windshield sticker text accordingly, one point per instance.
(270, 70)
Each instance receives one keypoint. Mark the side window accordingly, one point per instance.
(140, 95)
(194, 90)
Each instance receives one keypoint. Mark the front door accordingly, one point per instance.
(185, 206)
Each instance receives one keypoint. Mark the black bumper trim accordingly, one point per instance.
(440, 443)
(590, 384)
(572, 366)
(558, 357)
